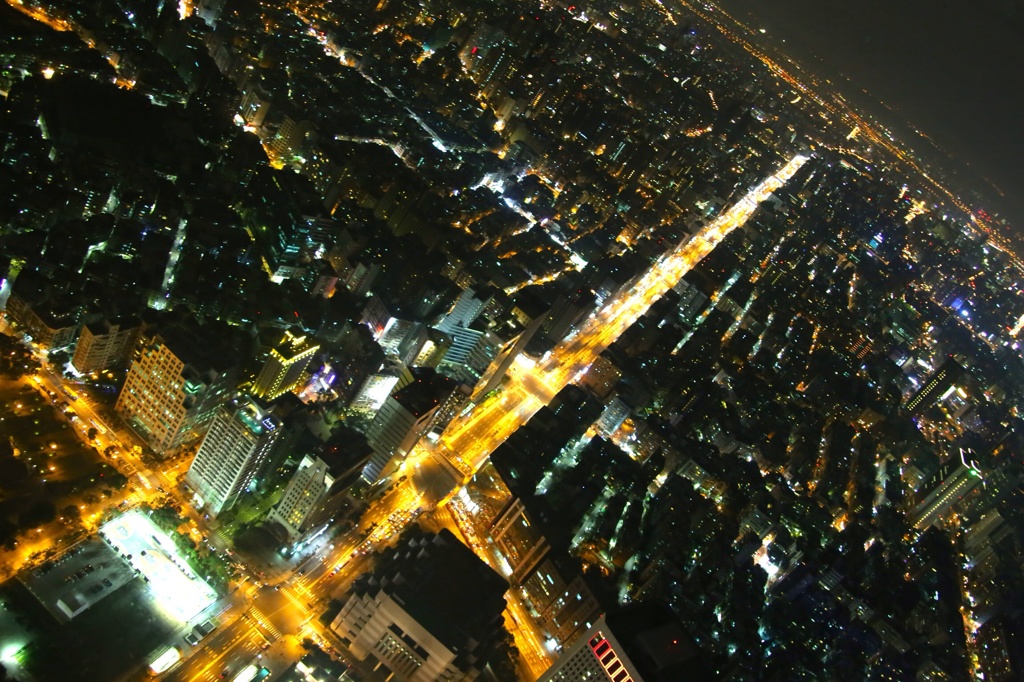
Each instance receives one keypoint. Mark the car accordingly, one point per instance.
(106, 581)
(192, 639)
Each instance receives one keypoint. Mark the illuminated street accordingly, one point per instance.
(414, 340)
(468, 441)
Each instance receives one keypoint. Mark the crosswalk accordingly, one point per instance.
(264, 623)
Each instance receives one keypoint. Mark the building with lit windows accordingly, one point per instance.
(403, 339)
(403, 418)
(238, 443)
(377, 387)
(255, 105)
(470, 353)
(302, 506)
(642, 642)
(943, 380)
(106, 344)
(50, 324)
(286, 361)
(180, 378)
(430, 610)
(464, 310)
(956, 479)
(519, 541)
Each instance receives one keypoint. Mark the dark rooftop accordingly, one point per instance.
(427, 390)
(443, 585)
(656, 643)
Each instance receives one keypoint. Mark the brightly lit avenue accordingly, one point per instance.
(175, 587)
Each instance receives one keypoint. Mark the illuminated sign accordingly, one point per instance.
(609, 660)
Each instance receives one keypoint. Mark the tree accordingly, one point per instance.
(15, 359)
(59, 358)
(8, 534)
(39, 513)
(92, 433)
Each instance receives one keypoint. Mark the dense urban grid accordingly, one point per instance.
(454, 340)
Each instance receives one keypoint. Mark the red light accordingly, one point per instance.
(473, 51)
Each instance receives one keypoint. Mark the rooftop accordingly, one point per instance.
(443, 585)
(427, 390)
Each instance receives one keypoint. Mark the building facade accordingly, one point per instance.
(107, 344)
(403, 418)
(283, 369)
(49, 326)
(174, 388)
(233, 450)
(302, 504)
(431, 610)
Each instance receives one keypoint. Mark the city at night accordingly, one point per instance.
(479, 340)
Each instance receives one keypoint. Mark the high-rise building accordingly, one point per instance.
(290, 137)
(397, 207)
(944, 378)
(956, 479)
(403, 418)
(642, 642)
(283, 236)
(254, 106)
(403, 339)
(286, 361)
(174, 387)
(233, 450)
(209, 11)
(303, 503)
(375, 390)
(430, 610)
(106, 344)
(562, 598)
(568, 311)
(462, 313)
(470, 354)
(433, 351)
(375, 316)
(614, 414)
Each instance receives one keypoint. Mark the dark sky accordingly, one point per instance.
(953, 68)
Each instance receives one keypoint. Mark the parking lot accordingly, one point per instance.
(81, 577)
